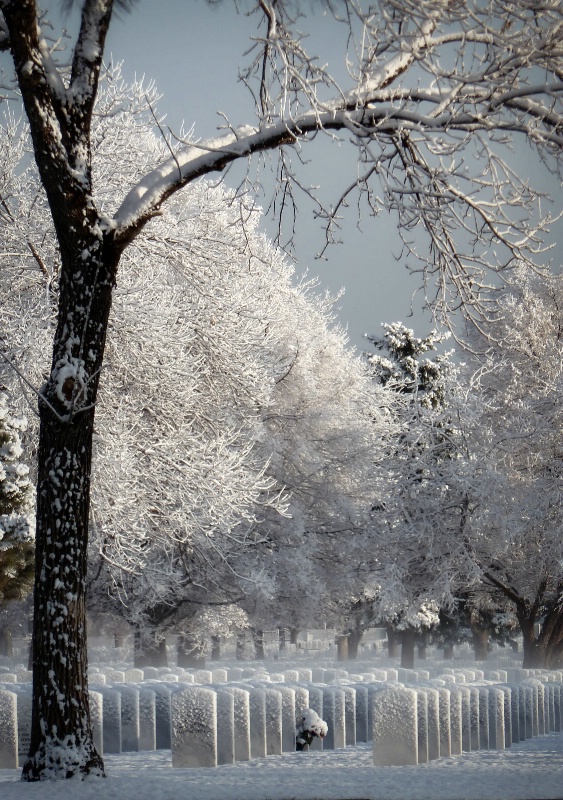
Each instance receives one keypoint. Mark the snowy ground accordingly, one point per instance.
(531, 770)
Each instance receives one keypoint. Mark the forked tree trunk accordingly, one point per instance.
(407, 648)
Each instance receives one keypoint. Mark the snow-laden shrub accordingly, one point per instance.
(308, 726)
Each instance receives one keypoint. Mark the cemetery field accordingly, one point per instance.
(445, 730)
(530, 770)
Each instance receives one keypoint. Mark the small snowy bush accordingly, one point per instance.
(308, 726)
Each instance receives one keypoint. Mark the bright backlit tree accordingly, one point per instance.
(432, 86)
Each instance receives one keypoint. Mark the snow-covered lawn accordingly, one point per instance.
(530, 770)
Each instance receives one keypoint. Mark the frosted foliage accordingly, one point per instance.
(419, 515)
(225, 398)
(16, 503)
(516, 532)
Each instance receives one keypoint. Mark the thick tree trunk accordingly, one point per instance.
(480, 642)
(448, 651)
(392, 642)
(293, 634)
(407, 648)
(61, 733)
(282, 639)
(149, 653)
(241, 646)
(6, 643)
(118, 639)
(354, 641)
(342, 647)
(215, 648)
(258, 639)
(422, 645)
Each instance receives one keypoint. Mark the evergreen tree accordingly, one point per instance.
(16, 510)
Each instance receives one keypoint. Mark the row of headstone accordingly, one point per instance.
(15, 724)
(414, 725)
(223, 723)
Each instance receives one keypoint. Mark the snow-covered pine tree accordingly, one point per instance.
(17, 527)
(417, 524)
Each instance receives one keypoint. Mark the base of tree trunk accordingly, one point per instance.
(407, 648)
(342, 648)
(215, 648)
(6, 643)
(392, 642)
(150, 654)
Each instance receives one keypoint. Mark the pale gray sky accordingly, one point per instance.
(192, 50)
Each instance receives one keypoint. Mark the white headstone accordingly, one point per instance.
(8, 730)
(288, 718)
(475, 730)
(422, 723)
(362, 730)
(241, 722)
(350, 715)
(257, 710)
(130, 731)
(194, 728)
(225, 727)
(395, 740)
(483, 718)
(496, 718)
(111, 720)
(273, 722)
(96, 700)
(24, 723)
(147, 719)
(445, 722)
(134, 675)
(163, 718)
(456, 716)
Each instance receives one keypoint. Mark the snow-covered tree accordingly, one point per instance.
(516, 536)
(432, 85)
(419, 520)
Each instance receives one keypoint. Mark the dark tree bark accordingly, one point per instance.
(241, 646)
(422, 645)
(448, 651)
(342, 647)
(407, 648)
(282, 638)
(354, 640)
(393, 640)
(215, 648)
(293, 634)
(258, 640)
(480, 638)
(6, 643)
